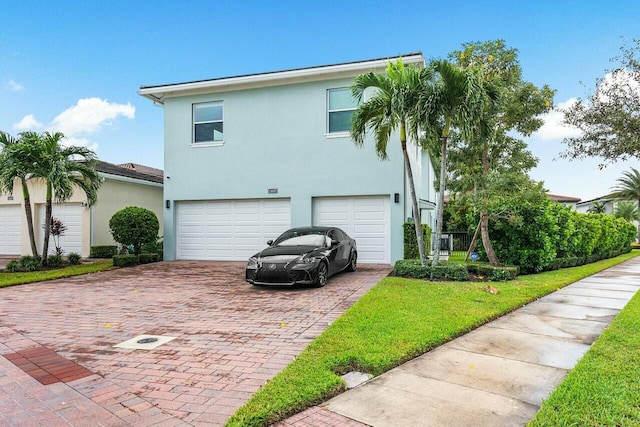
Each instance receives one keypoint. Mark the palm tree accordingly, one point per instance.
(64, 169)
(628, 187)
(626, 210)
(457, 101)
(14, 166)
(392, 107)
(598, 207)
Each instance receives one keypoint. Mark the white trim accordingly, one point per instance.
(337, 135)
(207, 144)
(158, 94)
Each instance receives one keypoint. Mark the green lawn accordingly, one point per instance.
(394, 322)
(12, 279)
(603, 389)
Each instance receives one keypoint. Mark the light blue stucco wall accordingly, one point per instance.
(274, 137)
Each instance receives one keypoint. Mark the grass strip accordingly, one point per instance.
(13, 279)
(603, 388)
(394, 322)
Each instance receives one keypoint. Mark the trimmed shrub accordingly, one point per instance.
(455, 271)
(74, 258)
(125, 260)
(103, 251)
(411, 243)
(25, 263)
(54, 261)
(134, 226)
(148, 258)
(155, 247)
(493, 273)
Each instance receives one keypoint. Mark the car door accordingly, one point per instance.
(341, 249)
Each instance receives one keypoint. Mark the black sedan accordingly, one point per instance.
(304, 256)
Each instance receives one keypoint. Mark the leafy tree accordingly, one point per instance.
(493, 150)
(626, 210)
(609, 118)
(392, 107)
(63, 169)
(134, 226)
(14, 166)
(455, 102)
(598, 207)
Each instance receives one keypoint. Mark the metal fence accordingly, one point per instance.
(452, 243)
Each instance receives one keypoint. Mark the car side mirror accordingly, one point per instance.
(269, 242)
(334, 243)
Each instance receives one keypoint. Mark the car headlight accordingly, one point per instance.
(253, 262)
(304, 260)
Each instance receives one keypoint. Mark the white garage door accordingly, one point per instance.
(229, 229)
(365, 219)
(10, 229)
(71, 217)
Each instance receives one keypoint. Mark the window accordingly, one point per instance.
(340, 107)
(207, 123)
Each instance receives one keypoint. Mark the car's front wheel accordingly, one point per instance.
(353, 262)
(323, 275)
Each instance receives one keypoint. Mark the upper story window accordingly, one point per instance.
(207, 123)
(340, 107)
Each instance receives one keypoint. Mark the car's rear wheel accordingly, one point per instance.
(322, 276)
(353, 262)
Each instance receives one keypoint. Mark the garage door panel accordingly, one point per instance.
(365, 218)
(10, 229)
(71, 216)
(233, 230)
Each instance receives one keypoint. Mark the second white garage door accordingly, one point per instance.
(71, 216)
(364, 218)
(10, 229)
(229, 229)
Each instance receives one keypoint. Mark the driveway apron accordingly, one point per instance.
(60, 366)
(496, 375)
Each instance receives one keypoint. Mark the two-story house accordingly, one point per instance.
(247, 157)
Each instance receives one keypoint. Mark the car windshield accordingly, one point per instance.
(302, 240)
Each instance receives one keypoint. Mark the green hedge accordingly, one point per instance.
(535, 234)
(411, 243)
(148, 258)
(103, 251)
(495, 274)
(125, 260)
(454, 271)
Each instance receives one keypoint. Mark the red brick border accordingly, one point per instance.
(47, 366)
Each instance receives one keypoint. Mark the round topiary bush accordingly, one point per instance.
(134, 226)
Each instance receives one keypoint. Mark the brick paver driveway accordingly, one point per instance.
(230, 339)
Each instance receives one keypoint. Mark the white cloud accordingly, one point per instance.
(554, 128)
(79, 142)
(28, 123)
(89, 115)
(14, 86)
(622, 82)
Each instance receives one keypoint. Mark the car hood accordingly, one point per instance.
(285, 251)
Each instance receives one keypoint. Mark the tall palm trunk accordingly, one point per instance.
(47, 224)
(484, 215)
(414, 200)
(440, 207)
(29, 214)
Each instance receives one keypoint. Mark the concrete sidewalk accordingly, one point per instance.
(496, 375)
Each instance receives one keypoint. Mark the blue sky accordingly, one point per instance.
(76, 66)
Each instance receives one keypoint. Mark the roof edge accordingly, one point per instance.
(158, 93)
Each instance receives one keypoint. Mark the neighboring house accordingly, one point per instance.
(583, 207)
(123, 185)
(565, 200)
(247, 157)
